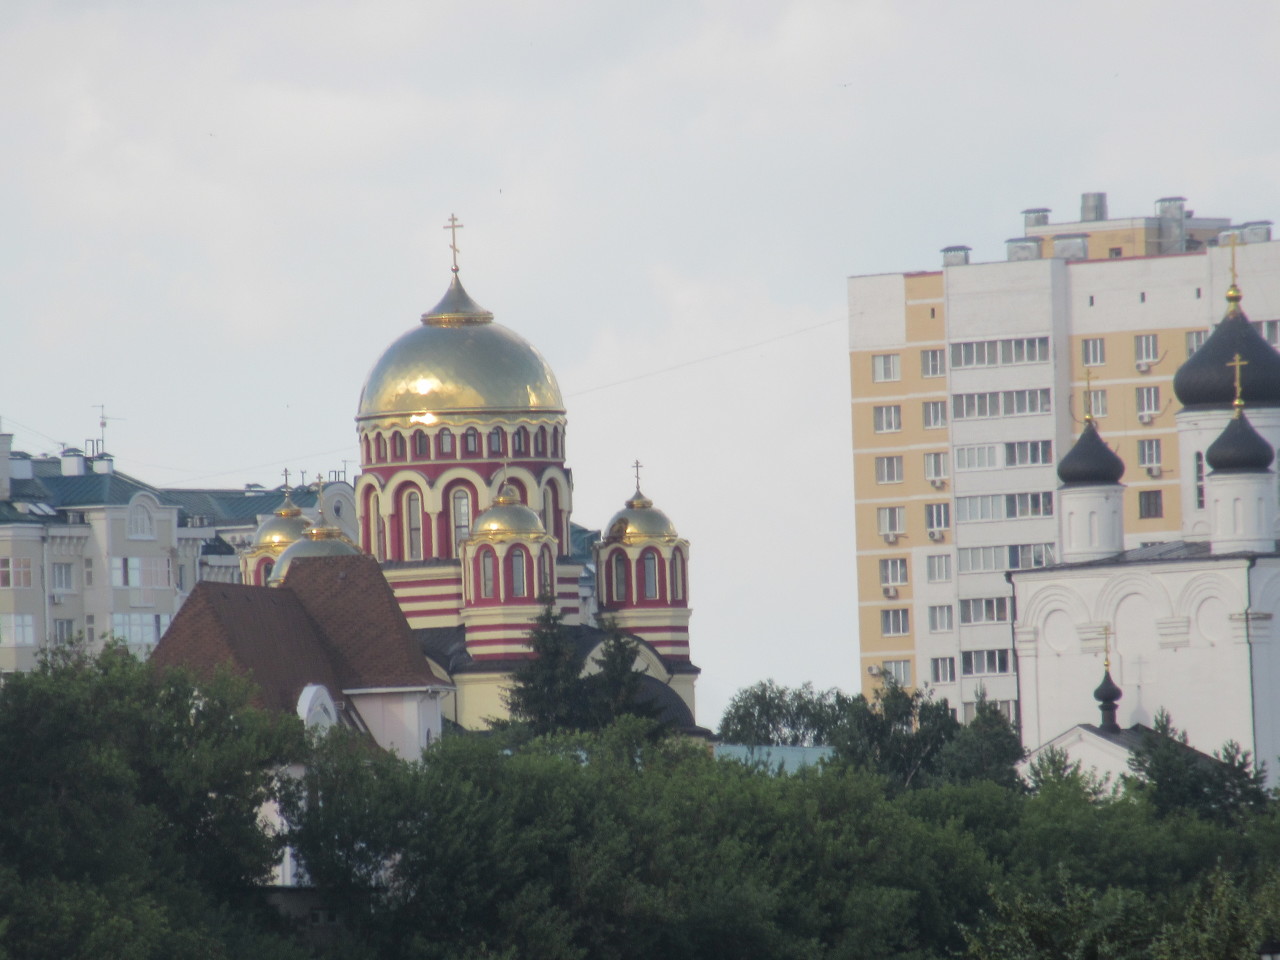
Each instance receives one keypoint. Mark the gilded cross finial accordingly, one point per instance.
(1106, 646)
(453, 226)
(1088, 395)
(1238, 362)
(636, 466)
(285, 473)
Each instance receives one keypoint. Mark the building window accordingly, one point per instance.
(1146, 348)
(649, 574)
(978, 353)
(980, 456)
(139, 628)
(938, 567)
(1199, 480)
(940, 619)
(935, 414)
(62, 577)
(397, 446)
(555, 442)
(471, 441)
(1195, 338)
(1028, 453)
(15, 572)
(381, 445)
(421, 445)
(1115, 252)
(520, 442)
(933, 363)
(980, 559)
(987, 506)
(899, 671)
(1025, 350)
(1148, 401)
(1020, 505)
(1008, 709)
(1095, 403)
(540, 442)
(935, 466)
(937, 516)
(943, 669)
(888, 469)
(677, 576)
(893, 572)
(88, 571)
(975, 406)
(17, 630)
(891, 520)
(1024, 556)
(1016, 403)
(413, 525)
(495, 441)
(1093, 351)
(885, 367)
(1270, 330)
(1150, 504)
(1149, 453)
(141, 524)
(461, 501)
(64, 631)
(984, 610)
(1008, 403)
(895, 623)
(974, 663)
(486, 574)
(544, 573)
(989, 353)
(619, 578)
(519, 577)
(444, 439)
(887, 419)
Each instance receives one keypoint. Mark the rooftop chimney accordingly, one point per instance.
(1093, 206)
(1023, 248)
(956, 256)
(1035, 217)
(103, 463)
(72, 462)
(1071, 246)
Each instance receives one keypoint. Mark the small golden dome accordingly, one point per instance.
(641, 520)
(459, 362)
(320, 541)
(283, 527)
(508, 518)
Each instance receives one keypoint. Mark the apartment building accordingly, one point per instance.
(968, 382)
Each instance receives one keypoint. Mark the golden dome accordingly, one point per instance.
(320, 541)
(283, 527)
(458, 362)
(641, 520)
(508, 518)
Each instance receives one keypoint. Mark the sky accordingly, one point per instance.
(217, 216)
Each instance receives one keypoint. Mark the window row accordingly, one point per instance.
(1146, 399)
(889, 469)
(974, 663)
(1146, 349)
(991, 353)
(498, 442)
(892, 521)
(1014, 556)
(893, 571)
(1004, 506)
(140, 572)
(888, 419)
(651, 579)
(139, 628)
(517, 574)
(1000, 403)
(990, 456)
(984, 610)
(15, 572)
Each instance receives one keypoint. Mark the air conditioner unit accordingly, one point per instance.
(56, 599)
(1154, 470)
(890, 538)
(1143, 366)
(1146, 417)
(891, 592)
(873, 671)
(936, 534)
(938, 482)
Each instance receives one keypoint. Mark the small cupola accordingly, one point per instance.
(1090, 460)
(1107, 694)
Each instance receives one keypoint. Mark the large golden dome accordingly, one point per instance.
(459, 362)
(283, 527)
(640, 521)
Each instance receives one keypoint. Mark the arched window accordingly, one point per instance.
(413, 526)
(141, 524)
(382, 449)
(540, 442)
(495, 442)
(444, 442)
(555, 441)
(520, 442)
(486, 574)
(677, 576)
(368, 450)
(544, 573)
(421, 448)
(379, 530)
(548, 510)
(649, 575)
(619, 565)
(471, 441)
(264, 572)
(397, 446)
(461, 517)
(519, 573)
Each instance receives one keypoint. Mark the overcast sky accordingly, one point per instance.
(216, 216)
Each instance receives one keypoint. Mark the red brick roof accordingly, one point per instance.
(335, 622)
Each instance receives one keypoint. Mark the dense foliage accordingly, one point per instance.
(129, 813)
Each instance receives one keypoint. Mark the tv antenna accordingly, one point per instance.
(99, 446)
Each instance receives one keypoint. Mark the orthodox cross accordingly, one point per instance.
(285, 472)
(1106, 646)
(453, 226)
(1238, 362)
(636, 466)
(1088, 395)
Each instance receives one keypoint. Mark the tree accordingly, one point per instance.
(897, 734)
(129, 817)
(768, 714)
(986, 748)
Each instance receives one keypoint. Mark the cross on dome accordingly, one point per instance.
(1238, 362)
(453, 226)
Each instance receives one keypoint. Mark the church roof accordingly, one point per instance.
(1206, 380)
(1171, 551)
(335, 623)
(1090, 460)
(1239, 449)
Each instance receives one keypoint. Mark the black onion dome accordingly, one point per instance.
(1239, 449)
(1090, 461)
(1206, 381)
(1107, 691)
